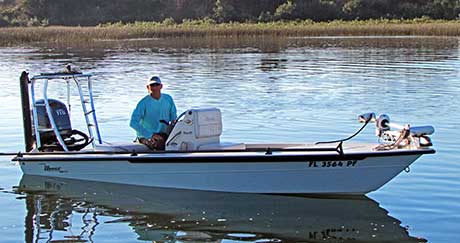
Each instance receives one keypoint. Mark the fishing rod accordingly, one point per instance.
(10, 153)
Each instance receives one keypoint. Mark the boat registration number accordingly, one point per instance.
(338, 163)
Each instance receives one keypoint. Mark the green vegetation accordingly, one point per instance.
(209, 28)
(89, 21)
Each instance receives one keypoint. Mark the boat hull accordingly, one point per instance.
(255, 174)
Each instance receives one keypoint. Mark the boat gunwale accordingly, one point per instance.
(221, 157)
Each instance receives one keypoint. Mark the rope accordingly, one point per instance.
(404, 133)
(346, 139)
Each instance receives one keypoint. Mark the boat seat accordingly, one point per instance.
(223, 146)
(123, 147)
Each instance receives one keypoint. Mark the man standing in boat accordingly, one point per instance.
(150, 110)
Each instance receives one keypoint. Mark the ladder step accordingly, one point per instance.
(45, 129)
(89, 112)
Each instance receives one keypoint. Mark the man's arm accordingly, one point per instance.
(136, 118)
(173, 111)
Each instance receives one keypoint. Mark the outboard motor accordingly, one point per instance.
(73, 139)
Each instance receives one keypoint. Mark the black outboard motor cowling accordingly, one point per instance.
(60, 114)
(61, 118)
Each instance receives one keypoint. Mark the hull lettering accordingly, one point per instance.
(332, 164)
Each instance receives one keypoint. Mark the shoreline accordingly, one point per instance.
(10, 36)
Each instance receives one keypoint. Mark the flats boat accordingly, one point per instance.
(195, 158)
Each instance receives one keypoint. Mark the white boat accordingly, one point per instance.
(195, 158)
(177, 215)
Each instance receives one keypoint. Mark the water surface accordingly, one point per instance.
(300, 89)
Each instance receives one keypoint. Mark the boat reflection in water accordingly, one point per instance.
(168, 215)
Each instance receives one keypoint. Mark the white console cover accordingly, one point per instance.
(208, 122)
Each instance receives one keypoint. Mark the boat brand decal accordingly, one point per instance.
(339, 163)
(49, 168)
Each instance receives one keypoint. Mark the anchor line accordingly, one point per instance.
(348, 138)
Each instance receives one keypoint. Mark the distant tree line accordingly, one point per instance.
(94, 12)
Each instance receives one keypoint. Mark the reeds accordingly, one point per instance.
(199, 28)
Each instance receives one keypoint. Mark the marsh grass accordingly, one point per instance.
(198, 28)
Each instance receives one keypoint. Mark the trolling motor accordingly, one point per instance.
(404, 136)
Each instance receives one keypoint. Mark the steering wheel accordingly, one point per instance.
(75, 141)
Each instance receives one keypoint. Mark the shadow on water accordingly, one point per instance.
(169, 215)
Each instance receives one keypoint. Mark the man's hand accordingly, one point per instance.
(158, 141)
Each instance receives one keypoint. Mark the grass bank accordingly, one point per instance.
(201, 28)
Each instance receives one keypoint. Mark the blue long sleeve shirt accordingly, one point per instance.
(148, 113)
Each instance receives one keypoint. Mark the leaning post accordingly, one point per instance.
(26, 117)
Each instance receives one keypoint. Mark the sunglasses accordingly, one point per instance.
(153, 85)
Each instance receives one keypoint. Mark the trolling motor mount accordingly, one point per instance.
(404, 136)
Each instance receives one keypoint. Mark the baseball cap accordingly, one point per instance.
(154, 80)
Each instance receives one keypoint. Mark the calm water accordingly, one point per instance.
(268, 90)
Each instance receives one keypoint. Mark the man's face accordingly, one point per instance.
(154, 87)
